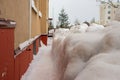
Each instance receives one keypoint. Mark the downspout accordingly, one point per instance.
(30, 17)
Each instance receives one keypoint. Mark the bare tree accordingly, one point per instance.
(110, 2)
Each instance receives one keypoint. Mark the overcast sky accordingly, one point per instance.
(83, 10)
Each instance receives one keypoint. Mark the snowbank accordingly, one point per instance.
(73, 52)
(85, 28)
(95, 27)
(104, 66)
(79, 28)
(92, 55)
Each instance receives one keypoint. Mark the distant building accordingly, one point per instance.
(107, 13)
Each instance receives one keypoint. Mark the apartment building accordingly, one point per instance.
(107, 13)
(30, 16)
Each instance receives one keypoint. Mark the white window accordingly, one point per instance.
(33, 6)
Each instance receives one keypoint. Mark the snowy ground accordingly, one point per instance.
(78, 56)
(41, 63)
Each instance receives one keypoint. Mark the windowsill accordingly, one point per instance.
(33, 7)
(40, 14)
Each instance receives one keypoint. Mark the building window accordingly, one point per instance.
(109, 17)
(109, 6)
(108, 12)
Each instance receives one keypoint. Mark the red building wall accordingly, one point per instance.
(7, 53)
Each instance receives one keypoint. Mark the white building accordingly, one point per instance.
(107, 13)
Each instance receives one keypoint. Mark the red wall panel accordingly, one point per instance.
(44, 38)
(30, 51)
(17, 68)
(22, 61)
(7, 53)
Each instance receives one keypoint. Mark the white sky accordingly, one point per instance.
(83, 10)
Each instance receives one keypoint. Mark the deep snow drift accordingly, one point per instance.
(93, 55)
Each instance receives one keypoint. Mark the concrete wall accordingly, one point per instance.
(17, 10)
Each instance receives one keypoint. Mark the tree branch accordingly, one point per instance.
(110, 2)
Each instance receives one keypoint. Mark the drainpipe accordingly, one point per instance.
(30, 17)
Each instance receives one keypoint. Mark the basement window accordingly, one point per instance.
(109, 6)
(109, 12)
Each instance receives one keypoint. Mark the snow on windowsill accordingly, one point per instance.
(40, 14)
(27, 43)
(33, 6)
(35, 9)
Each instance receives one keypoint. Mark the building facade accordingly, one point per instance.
(117, 15)
(107, 13)
(30, 15)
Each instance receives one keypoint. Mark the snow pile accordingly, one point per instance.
(104, 66)
(61, 32)
(95, 27)
(75, 28)
(85, 28)
(79, 28)
(73, 54)
(114, 23)
(79, 56)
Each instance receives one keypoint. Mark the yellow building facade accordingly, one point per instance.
(117, 15)
(108, 13)
(30, 15)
